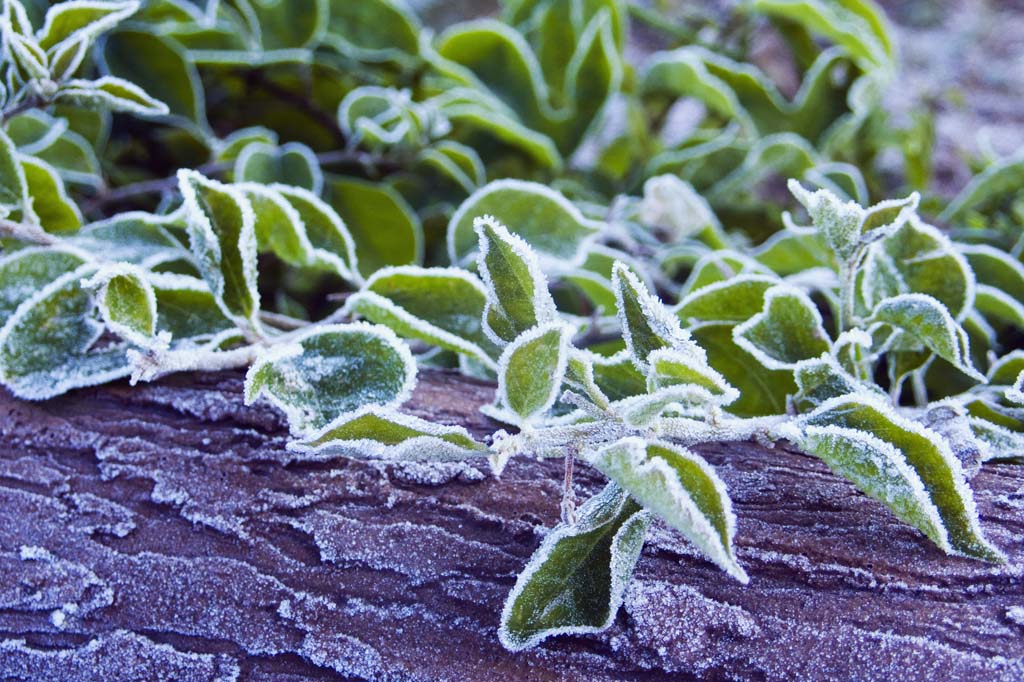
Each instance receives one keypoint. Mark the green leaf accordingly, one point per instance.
(440, 306)
(55, 210)
(672, 368)
(647, 324)
(330, 242)
(517, 291)
(905, 465)
(373, 30)
(531, 369)
(820, 379)
(384, 227)
(925, 320)
(291, 24)
(165, 73)
(333, 370)
(379, 433)
(859, 26)
(681, 488)
(545, 219)
(132, 237)
(25, 272)
(847, 227)
(918, 258)
(46, 346)
(13, 185)
(788, 330)
(126, 301)
(115, 94)
(575, 581)
(762, 390)
(734, 300)
(988, 187)
(82, 19)
(290, 164)
(606, 378)
(222, 236)
(188, 312)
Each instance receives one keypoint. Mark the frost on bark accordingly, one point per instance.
(164, 532)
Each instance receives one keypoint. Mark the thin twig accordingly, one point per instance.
(20, 108)
(568, 492)
(26, 232)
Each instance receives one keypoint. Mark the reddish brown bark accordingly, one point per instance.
(164, 532)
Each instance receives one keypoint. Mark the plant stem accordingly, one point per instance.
(151, 365)
(568, 506)
(27, 232)
(21, 107)
(847, 289)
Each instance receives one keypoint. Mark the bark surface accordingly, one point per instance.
(164, 532)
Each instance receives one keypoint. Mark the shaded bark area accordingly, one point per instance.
(164, 532)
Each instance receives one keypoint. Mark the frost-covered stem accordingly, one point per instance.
(568, 493)
(693, 431)
(150, 365)
(21, 107)
(847, 288)
(283, 322)
(27, 232)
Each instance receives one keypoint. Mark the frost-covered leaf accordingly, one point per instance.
(133, 237)
(608, 378)
(27, 271)
(440, 306)
(647, 324)
(669, 367)
(992, 185)
(918, 258)
(126, 301)
(373, 30)
(1015, 393)
(385, 229)
(13, 186)
(847, 226)
(575, 581)
(546, 220)
(54, 209)
(673, 205)
(312, 234)
(333, 370)
(82, 19)
(732, 301)
(788, 330)
(189, 313)
(821, 379)
(517, 291)
(46, 346)
(381, 433)
(531, 369)
(222, 236)
(902, 463)
(859, 26)
(166, 73)
(290, 164)
(763, 391)
(113, 93)
(681, 488)
(926, 320)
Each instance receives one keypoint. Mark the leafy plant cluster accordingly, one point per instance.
(336, 198)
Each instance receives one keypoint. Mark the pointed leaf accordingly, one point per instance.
(25, 272)
(517, 291)
(222, 236)
(735, 300)
(441, 306)
(531, 369)
(112, 93)
(126, 301)
(575, 581)
(848, 431)
(789, 330)
(681, 488)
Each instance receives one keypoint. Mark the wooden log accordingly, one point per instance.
(164, 532)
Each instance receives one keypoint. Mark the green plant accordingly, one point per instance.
(868, 338)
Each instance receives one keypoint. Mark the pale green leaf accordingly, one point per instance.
(531, 369)
(681, 488)
(333, 370)
(112, 93)
(25, 272)
(54, 209)
(788, 330)
(290, 164)
(126, 301)
(882, 453)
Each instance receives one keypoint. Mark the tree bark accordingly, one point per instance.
(164, 532)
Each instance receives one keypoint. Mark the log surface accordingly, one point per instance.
(165, 533)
